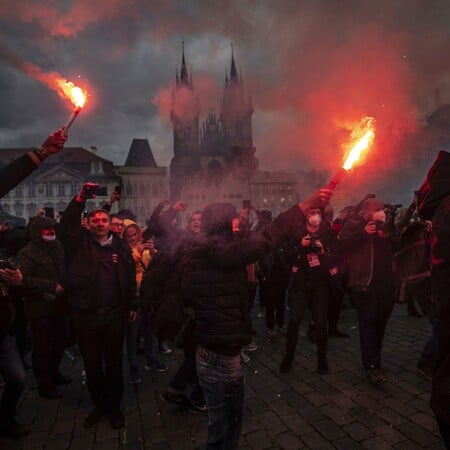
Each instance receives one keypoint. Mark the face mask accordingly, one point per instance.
(315, 220)
(379, 216)
(49, 238)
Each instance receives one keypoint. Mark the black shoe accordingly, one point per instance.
(116, 418)
(339, 334)
(60, 379)
(50, 391)
(414, 313)
(375, 375)
(197, 407)
(172, 398)
(425, 370)
(13, 430)
(93, 417)
(286, 364)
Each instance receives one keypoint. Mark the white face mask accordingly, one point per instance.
(49, 238)
(314, 220)
(379, 216)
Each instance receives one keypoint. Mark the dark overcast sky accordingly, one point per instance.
(315, 68)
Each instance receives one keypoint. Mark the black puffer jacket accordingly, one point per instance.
(81, 250)
(434, 204)
(216, 286)
(42, 264)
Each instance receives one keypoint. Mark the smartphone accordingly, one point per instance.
(49, 212)
(118, 189)
(96, 190)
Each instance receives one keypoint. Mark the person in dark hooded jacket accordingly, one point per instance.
(434, 204)
(42, 264)
(215, 287)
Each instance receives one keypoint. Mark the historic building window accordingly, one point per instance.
(19, 209)
(19, 191)
(31, 190)
(129, 189)
(142, 190)
(154, 189)
(31, 209)
(61, 190)
(48, 190)
(74, 189)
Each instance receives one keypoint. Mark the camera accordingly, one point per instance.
(95, 190)
(314, 239)
(380, 225)
(392, 209)
(9, 263)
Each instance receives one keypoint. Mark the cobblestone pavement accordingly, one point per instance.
(297, 410)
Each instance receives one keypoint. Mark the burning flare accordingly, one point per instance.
(366, 128)
(362, 144)
(74, 93)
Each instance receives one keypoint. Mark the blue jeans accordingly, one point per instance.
(13, 372)
(222, 381)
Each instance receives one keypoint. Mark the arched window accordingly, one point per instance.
(129, 189)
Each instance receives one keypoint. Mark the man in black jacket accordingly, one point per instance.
(434, 204)
(11, 365)
(101, 290)
(215, 286)
(368, 239)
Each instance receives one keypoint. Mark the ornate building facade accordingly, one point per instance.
(60, 177)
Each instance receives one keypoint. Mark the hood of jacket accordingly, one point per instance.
(128, 223)
(216, 219)
(435, 187)
(36, 226)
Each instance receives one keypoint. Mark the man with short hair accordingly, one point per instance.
(101, 289)
(116, 224)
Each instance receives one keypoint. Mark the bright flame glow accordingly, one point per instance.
(362, 144)
(74, 93)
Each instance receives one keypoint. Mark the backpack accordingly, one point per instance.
(412, 261)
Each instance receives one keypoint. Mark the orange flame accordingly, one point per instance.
(366, 127)
(74, 93)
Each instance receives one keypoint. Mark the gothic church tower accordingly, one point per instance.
(184, 115)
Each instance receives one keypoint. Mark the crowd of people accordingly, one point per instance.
(98, 280)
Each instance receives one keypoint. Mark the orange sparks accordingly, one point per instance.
(366, 127)
(74, 93)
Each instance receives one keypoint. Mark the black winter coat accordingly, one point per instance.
(217, 285)
(434, 203)
(81, 265)
(42, 264)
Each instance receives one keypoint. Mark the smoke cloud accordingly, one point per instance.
(314, 69)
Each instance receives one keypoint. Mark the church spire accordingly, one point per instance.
(234, 77)
(184, 77)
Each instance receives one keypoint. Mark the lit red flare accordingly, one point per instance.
(76, 95)
(364, 135)
(362, 143)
